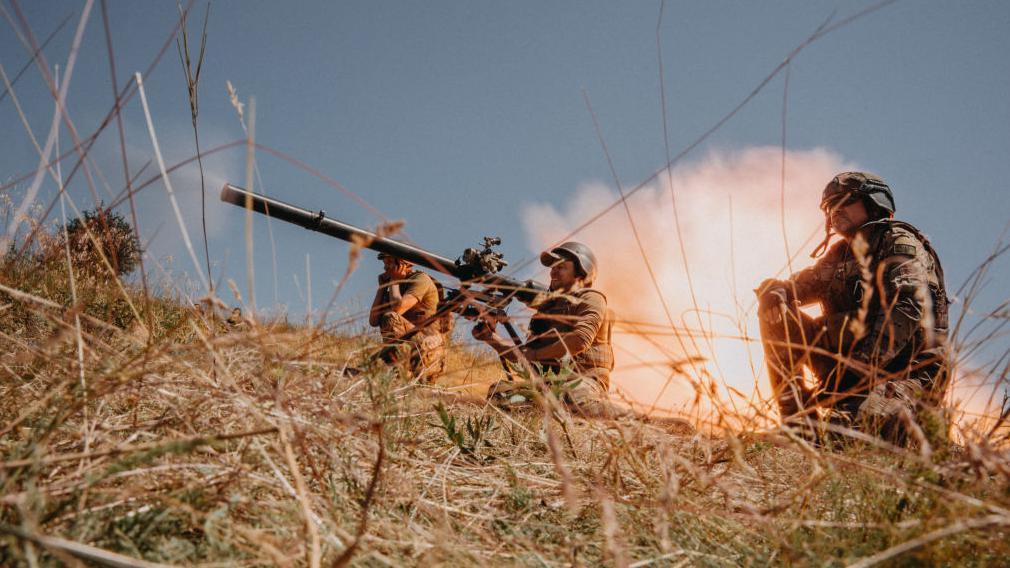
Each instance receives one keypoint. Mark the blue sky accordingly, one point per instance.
(456, 115)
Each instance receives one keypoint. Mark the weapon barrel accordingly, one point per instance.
(317, 221)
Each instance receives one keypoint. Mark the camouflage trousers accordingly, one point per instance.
(795, 344)
(887, 408)
(422, 356)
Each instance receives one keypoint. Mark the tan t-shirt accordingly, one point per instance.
(421, 286)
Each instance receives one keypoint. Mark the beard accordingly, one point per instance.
(843, 225)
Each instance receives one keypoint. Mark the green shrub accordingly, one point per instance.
(110, 234)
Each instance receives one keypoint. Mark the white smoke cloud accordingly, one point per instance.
(730, 208)
(154, 208)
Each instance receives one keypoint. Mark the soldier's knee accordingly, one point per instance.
(392, 324)
(774, 335)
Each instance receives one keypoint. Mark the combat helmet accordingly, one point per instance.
(860, 185)
(580, 254)
(872, 189)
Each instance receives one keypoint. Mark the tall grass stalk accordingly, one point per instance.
(193, 90)
(168, 184)
(29, 199)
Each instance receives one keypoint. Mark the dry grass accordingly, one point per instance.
(253, 446)
(184, 440)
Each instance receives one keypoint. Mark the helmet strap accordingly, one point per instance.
(823, 247)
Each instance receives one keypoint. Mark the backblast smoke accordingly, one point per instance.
(738, 224)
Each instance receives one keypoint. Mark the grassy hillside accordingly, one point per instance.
(178, 438)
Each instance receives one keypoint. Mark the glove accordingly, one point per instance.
(773, 296)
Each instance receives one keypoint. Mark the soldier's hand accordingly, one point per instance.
(772, 300)
(772, 314)
(772, 306)
(483, 332)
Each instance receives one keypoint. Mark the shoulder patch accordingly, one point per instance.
(904, 250)
(901, 241)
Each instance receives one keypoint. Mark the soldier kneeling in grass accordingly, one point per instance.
(407, 298)
(571, 331)
(878, 350)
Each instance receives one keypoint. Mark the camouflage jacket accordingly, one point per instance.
(899, 283)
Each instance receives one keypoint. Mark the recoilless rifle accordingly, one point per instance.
(483, 293)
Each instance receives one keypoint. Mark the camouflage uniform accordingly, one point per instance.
(424, 353)
(878, 371)
(583, 319)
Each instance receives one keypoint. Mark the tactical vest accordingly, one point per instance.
(557, 317)
(843, 294)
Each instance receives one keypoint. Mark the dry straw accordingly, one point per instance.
(255, 442)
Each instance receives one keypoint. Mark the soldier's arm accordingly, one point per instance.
(804, 287)
(808, 286)
(378, 306)
(587, 319)
(399, 301)
(904, 300)
(405, 295)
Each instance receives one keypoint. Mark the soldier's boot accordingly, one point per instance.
(588, 399)
(796, 406)
(891, 410)
(792, 396)
(671, 424)
(592, 404)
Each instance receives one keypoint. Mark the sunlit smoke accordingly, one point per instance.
(976, 402)
(730, 207)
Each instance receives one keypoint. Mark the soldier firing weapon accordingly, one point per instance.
(483, 292)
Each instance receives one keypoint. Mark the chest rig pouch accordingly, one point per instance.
(845, 291)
